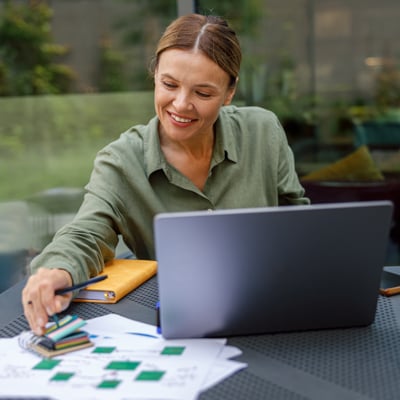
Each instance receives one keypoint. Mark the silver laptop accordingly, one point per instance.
(276, 269)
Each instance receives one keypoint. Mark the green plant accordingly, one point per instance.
(27, 53)
(385, 102)
(111, 69)
(140, 31)
(51, 140)
(387, 91)
(296, 110)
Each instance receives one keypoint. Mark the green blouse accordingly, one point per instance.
(252, 166)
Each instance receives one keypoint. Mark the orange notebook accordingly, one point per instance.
(122, 277)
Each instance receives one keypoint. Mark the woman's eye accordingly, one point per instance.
(202, 94)
(169, 85)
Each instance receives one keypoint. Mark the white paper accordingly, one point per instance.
(139, 364)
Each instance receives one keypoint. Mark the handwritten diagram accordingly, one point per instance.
(118, 366)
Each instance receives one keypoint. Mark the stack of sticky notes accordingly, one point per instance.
(62, 337)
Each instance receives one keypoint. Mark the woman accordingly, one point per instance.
(197, 153)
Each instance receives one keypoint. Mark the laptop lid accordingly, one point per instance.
(275, 269)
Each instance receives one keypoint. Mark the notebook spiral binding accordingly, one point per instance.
(26, 339)
(29, 341)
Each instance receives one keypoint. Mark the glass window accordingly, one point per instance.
(74, 75)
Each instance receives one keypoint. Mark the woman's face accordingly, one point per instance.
(189, 91)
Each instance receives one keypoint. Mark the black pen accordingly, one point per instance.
(81, 285)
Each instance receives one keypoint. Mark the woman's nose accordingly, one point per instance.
(182, 100)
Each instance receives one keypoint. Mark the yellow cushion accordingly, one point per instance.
(357, 166)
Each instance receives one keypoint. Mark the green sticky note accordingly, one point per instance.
(104, 350)
(123, 365)
(62, 376)
(47, 363)
(150, 375)
(108, 384)
(173, 350)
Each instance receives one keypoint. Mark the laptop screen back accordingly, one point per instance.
(248, 271)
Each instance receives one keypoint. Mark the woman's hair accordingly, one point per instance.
(209, 34)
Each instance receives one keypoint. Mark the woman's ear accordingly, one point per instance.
(231, 92)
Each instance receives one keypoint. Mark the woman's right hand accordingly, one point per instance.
(39, 299)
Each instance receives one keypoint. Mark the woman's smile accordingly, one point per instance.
(179, 119)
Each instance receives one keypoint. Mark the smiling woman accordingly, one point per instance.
(196, 69)
(199, 152)
(189, 92)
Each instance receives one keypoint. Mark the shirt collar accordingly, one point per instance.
(153, 155)
(225, 134)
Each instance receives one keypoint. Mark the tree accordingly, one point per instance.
(142, 29)
(27, 52)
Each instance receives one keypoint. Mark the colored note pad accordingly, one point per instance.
(72, 325)
(62, 337)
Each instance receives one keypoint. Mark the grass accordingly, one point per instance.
(27, 174)
(51, 141)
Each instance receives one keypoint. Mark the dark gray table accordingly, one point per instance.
(358, 363)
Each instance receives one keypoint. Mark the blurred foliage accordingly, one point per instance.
(387, 91)
(244, 16)
(51, 140)
(140, 31)
(139, 26)
(284, 97)
(27, 53)
(383, 104)
(52, 123)
(111, 69)
(262, 83)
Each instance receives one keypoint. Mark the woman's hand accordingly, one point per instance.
(39, 299)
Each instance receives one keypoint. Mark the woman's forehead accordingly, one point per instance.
(190, 63)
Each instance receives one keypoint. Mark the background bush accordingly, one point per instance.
(51, 141)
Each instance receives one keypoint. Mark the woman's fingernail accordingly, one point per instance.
(38, 330)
